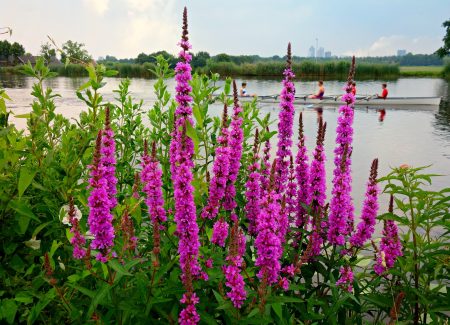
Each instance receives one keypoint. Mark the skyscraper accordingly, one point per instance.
(320, 52)
(328, 54)
(312, 52)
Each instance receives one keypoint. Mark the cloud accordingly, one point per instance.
(388, 45)
(151, 25)
(98, 6)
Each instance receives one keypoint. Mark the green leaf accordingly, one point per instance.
(27, 115)
(84, 86)
(116, 266)
(39, 228)
(277, 308)
(98, 298)
(43, 302)
(25, 178)
(197, 114)
(22, 208)
(8, 309)
(192, 133)
(23, 297)
(91, 70)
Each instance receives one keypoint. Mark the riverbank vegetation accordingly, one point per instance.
(169, 214)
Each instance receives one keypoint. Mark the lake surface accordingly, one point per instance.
(415, 136)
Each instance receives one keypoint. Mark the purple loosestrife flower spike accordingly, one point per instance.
(108, 159)
(232, 271)
(220, 232)
(220, 172)
(317, 178)
(291, 191)
(151, 178)
(390, 246)
(268, 245)
(253, 190)
(346, 278)
(236, 138)
(302, 174)
(100, 217)
(78, 240)
(265, 168)
(366, 226)
(341, 207)
(285, 125)
(181, 159)
(317, 181)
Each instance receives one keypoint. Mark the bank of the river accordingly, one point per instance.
(324, 70)
(327, 70)
(422, 71)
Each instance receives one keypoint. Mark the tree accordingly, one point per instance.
(75, 52)
(200, 59)
(445, 50)
(5, 49)
(47, 52)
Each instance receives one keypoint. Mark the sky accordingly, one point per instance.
(125, 28)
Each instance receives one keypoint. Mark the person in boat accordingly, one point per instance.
(384, 91)
(320, 92)
(243, 91)
(354, 88)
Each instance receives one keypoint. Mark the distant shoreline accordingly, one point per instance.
(332, 70)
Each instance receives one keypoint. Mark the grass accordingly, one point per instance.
(324, 70)
(422, 71)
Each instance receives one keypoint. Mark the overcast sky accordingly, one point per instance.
(124, 28)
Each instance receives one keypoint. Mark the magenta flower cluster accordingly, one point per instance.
(302, 175)
(232, 271)
(366, 226)
(235, 141)
(99, 201)
(253, 192)
(181, 154)
(345, 278)
(151, 178)
(265, 167)
(317, 183)
(220, 175)
(268, 245)
(220, 232)
(285, 125)
(341, 205)
(390, 246)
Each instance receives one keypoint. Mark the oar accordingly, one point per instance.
(365, 98)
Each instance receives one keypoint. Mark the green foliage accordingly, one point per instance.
(45, 165)
(422, 273)
(445, 49)
(74, 52)
(48, 52)
(10, 50)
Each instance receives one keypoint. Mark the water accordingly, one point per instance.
(415, 136)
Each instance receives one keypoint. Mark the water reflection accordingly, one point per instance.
(382, 114)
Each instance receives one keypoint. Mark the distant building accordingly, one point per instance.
(328, 54)
(320, 52)
(27, 57)
(312, 52)
(401, 52)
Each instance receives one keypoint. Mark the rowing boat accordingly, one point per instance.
(362, 101)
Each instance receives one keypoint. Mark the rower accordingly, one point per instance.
(384, 92)
(354, 88)
(320, 93)
(243, 91)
